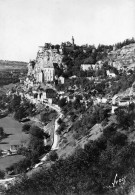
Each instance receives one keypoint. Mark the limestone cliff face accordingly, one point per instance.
(123, 58)
(43, 68)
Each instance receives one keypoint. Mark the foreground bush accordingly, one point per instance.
(53, 156)
(88, 171)
(26, 128)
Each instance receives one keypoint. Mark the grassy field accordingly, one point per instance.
(9, 160)
(13, 129)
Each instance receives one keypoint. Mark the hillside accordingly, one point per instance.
(4, 65)
(123, 57)
(11, 71)
(95, 145)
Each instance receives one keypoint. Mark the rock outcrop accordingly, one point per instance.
(42, 69)
(48, 58)
(123, 58)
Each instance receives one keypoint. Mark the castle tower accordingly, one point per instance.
(114, 48)
(73, 41)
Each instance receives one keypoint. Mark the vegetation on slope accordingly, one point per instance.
(91, 169)
(13, 64)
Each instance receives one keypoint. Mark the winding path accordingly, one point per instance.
(56, 138)
(55, 146)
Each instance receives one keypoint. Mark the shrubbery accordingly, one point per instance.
(61, 128)
(88, 171)
(94, 115)
(21, 109)
(35, 149)
(53, 156)
(26, 128)
(36, 132)
(2, 174)
(47, 116)
(2, 133)
(62, 102)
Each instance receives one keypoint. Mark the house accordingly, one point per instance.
(49, 73)
(86, 67)
(110, 74)
(61, 92)
(104, 100)
(96, 101)
(101, 100)
(33, 101)
(97, 66)
(125, 101)
(43, 96)
(61, 80)
(113, 109)
(73, 77)
(90, 78)
(46, 74)
(115, 99)
(71, 98)
(50, 100)
(15, 145)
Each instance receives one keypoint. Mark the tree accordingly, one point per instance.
(118, 139)
(30, 109)
(2, 174)
(124, 118)
(53, 156)
(34, 158)
(89, 60)
(100, 87)
(44, 116)
(36, 132)
(36, 143)
(15, 103)
(23, 151)
(62, 102)
(61, 128)
(20, 113)
(36, 146)
(26, 128)
(109, 131)
(21, 166)
(59, 121)
(2, 133)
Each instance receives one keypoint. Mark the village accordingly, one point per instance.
(39, 86)
(45, 89)
(67, 97)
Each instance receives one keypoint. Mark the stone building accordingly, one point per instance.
(43, 70)
(97, 66)
(48, 57)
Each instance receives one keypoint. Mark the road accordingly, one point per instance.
(55, 146)
(56, 138)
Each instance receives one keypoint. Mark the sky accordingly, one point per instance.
(27, 24)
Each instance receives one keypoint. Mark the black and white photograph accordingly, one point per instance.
(67, 97)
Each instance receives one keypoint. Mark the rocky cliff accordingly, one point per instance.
(43, 68)
(123, 58)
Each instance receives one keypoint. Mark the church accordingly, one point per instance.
(42, 69)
